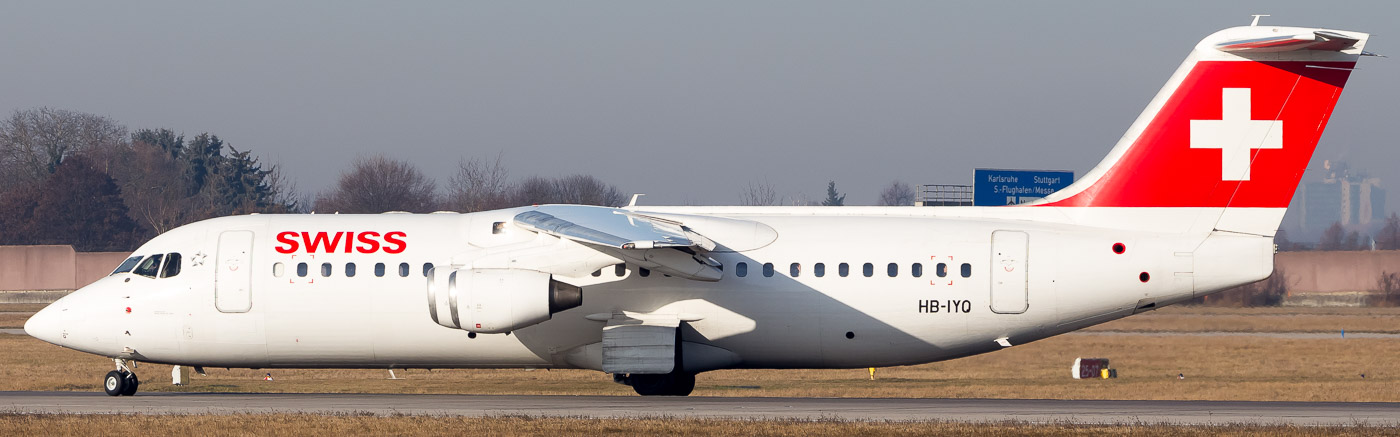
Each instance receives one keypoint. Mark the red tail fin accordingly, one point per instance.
(1235, 127)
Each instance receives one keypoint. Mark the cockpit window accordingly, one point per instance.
(172, 265)
(127, 265)
(150, 266)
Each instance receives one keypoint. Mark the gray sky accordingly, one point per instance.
(687, 102)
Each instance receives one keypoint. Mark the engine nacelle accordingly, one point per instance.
(493, 301)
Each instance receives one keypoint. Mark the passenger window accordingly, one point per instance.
(767, 270)
(379, 270)
(941, 270)
(127, 265)
(278, 269)
(498, 227)
(427, 267)
(643, 272)
(620, 270)
(819, 270)
(795, 270)
(172, 265)
(325, 270)
(868, 270)
(597, 273)
(149, 267)
(349, 270)
(967, 270)
(892, 270)
(741, 269)
(301, 270)
(843, 270)
(916, 270)
(403, 270)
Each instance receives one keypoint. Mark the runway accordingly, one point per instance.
(957, 410)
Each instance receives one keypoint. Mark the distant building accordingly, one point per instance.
(1353, 201)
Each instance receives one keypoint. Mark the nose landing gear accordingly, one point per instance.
(121, 382)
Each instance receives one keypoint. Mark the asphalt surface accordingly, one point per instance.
(959, 410)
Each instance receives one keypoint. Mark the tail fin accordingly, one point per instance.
(1233, 129)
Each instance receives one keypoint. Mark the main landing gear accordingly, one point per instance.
(665, 384)
(121, 382)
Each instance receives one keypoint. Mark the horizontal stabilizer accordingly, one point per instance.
(1318, 40)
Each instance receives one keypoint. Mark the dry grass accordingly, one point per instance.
(22, 307)
(1216, 368)
(338, 425)
(1269, 319)
(13, 320)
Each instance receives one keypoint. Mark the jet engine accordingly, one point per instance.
(493, 301)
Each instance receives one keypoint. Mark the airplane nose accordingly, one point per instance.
(46, 325)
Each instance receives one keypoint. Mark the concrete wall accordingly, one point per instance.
(1339, 271)
(30, 268)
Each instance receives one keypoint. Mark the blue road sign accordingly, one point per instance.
(991, 187)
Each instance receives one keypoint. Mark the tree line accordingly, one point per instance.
(68, 177)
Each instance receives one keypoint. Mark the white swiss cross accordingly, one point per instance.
(1236, 134)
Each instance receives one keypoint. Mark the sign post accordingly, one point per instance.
(993, 187)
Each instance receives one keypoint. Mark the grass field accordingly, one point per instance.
(319, 425)
(1215, 368)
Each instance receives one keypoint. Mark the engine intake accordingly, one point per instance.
(493, 301)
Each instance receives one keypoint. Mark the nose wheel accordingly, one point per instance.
(121, 382)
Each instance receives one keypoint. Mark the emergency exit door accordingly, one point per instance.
(1009, 280)
(233, 272)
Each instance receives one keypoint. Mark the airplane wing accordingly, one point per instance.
(655, 243)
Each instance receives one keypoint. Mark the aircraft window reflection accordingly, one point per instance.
(403, 270)
(819, 270)
(349, 270)
(916, 270)
(325, 270)
(127, 265)
(795, 270)
(301, 270)
(767, 270)
(892, 270)
(868, 270)
(967, 270)
(149, 267)
(843, 270)
(278, 269)
(941, 270)
(741, 269)
(172, 265)
(620, 270)
(379, 270)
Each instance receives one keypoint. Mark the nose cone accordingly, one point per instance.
(46, 325)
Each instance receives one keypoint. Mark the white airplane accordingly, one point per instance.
(1186, 204)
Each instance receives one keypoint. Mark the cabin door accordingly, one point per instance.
(1009, 280)
(233, 274)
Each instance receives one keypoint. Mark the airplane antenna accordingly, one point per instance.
(1256, 19)
(633, 203)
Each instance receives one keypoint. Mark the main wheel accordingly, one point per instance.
(131, 385)
(114, 384)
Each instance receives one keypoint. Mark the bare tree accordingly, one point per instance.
(379, 184)
(1332, 237)
(759, 194)
(34, 142)
(897, 193)
(479, 185)
(584, 189)
(1389, 236)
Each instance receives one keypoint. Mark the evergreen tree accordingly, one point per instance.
(833, 198)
